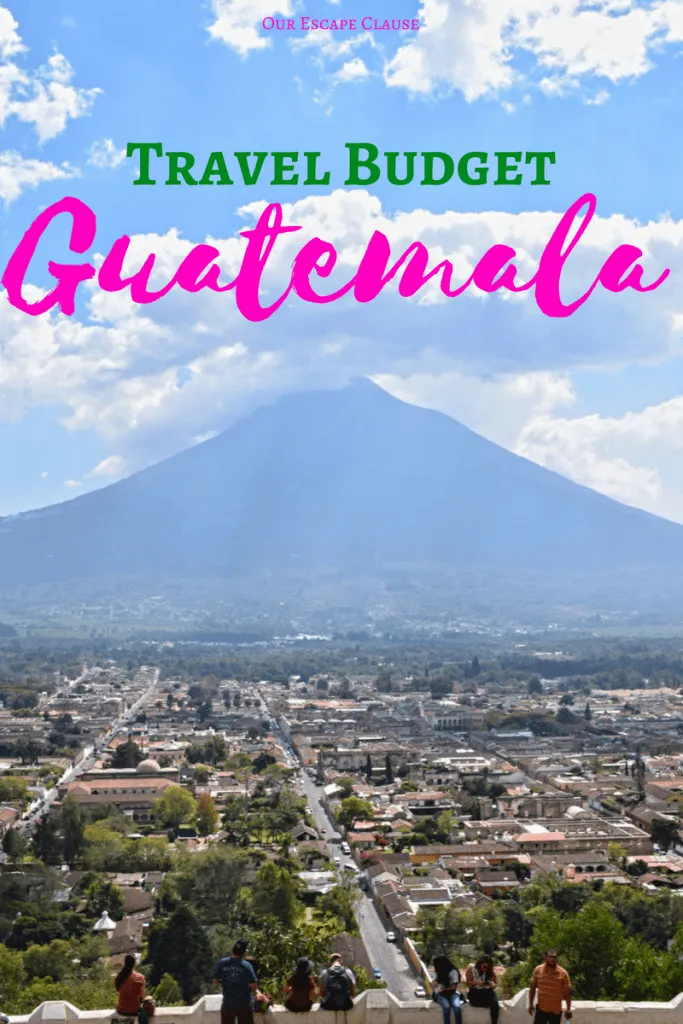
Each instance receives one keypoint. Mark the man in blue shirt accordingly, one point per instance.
(237, 977)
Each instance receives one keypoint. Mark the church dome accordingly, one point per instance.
(149, 766)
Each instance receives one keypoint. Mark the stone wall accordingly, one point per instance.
(374, 1007)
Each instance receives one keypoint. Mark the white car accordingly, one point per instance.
(421, 992)
(391, 936)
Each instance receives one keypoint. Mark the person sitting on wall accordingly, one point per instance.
(481, 981)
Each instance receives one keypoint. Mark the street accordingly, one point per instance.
(400, 979)
(90, 755)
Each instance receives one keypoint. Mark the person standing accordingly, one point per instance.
(550, 984)
(237, 977)
(481, 981)
(446, 989)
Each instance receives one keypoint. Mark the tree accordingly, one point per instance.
(14, 844)
(588, 714)
(204, 711)
(352, 808)
(383, 681)
(212, 883)
(127, 755)
(665, 832)
(564, 716)
(275, 894)
(616, 853)
(341, 903)
(175, 806)
(179, 946)
(169, 701)
(46, 843)
(346, 786)
(590, 944)
(567, 698)
(535, 686)
(103, 895)
(368, 768)
(207, 816)
(388, 770)
(11, 975)
(72, 829)
(168, 992)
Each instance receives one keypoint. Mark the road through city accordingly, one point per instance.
(394, 967)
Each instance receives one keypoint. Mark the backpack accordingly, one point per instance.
(337, 990)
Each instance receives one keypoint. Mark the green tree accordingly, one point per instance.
(341, 902)
(275, 894)
(103, 895)
(127, 755)
(212, 884)
(535, 686)
(665, 832)
(388, 770)
(50, 961)
(174, 807)
(590, 943)
(168, 992)
(207, 816)
(14, 844)
(12, 976)
(46, 843)
(73, 831)
(179, 946)
(352, 808)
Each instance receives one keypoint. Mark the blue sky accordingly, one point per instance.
(598, 398)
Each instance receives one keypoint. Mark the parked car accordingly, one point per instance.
(391, 936)
(421, 992)
(377, 973)
(322, 830)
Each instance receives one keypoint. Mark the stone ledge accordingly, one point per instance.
(376, 1006)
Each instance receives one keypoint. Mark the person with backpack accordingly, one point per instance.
(445, 988)
(300, 987)
(481, 979)
(337, 986)
(237, 977)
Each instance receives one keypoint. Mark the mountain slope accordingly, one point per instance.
(351, 477)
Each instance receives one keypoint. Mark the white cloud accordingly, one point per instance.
(237, 23)
(10, 40)
(73, 483)
(481, 49)
(104, 153)
(46, 97)
(43, 475)
(499, 407)
(112, 466)
(18, 173)
(354, 70)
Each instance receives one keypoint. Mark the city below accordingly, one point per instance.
(389, 804)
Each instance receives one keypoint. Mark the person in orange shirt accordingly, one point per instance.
(130, 989)
(551, 983)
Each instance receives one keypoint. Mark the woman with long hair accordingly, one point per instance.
(130, 989)
(300, 987)
(481, 980)
(445, 986)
